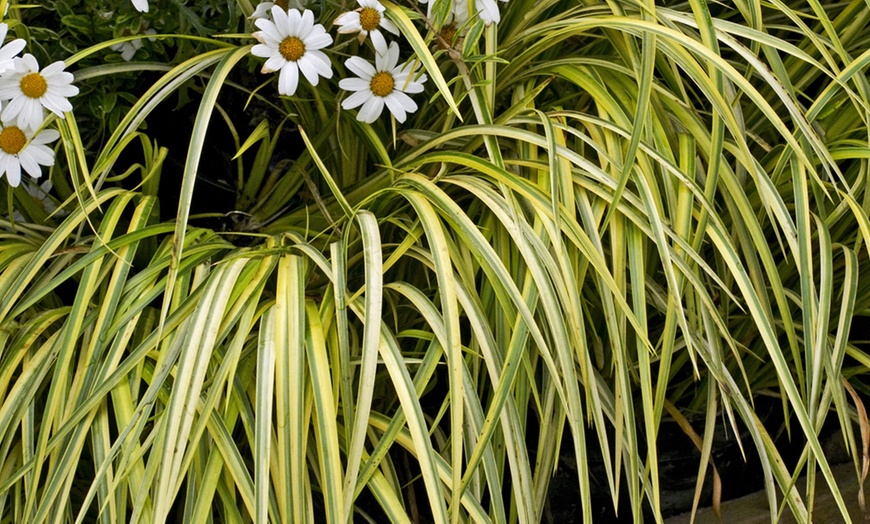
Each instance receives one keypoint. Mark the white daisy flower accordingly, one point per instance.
(141, 5)
(264, 9)
(488, 11)
(385, 83)
(29, 90)
(128, 49)
(455, 23)
(41, 194)
(429, 7)
(460, 12)
(368, 18)
(20, 149)
(10, 50)
(291, 42)
(459, 6)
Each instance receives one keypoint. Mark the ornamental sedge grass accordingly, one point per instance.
(600, 218)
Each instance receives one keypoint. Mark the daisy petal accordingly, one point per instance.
(41, 154)
(56, 104)
(14, 47)
(262, 51)
(46, 136)
(306, 24)
(29, 164)
(414, 87)
(274, 63)
(4, 161)
(35, 116)
(395, 107)
(356, 99)
(360, 67)
(347, 18)
(378, 40)
(371, 110)
(288, 80)
(309, 70)
(53, 69)
(285, 21)
(314, 42)
(12, 109)
(354, 84)
(390, 26)
(385, 61)
(321, 63)
(13, 172)
(268, 28)
(403, 100)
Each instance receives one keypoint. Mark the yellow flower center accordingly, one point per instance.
(283, 4)
(448, 33)
(34, 85)
(369, 18)
(291, 48)
(382, 84)
(12, 140)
